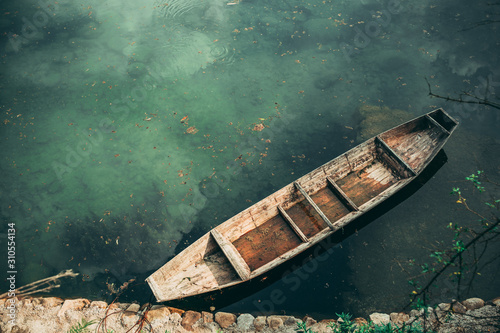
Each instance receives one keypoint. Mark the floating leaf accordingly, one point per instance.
(192, 130)
(258, 127)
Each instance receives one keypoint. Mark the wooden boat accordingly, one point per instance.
(303, 213)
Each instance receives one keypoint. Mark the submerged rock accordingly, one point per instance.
(73, 304)
(42, 315)
(399, 318)
(245, 321)
(259, 323)
(473, 303)
(484, 319)
(274, 322)
(207, 317)
(160, 313)
(380, 318)
(225, 319)
(376, 119)
(189, 319)
(458, 307)
(50, 302)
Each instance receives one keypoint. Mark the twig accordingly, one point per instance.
(38, 286)
(480, 23)
(451, 261)
(478, 100)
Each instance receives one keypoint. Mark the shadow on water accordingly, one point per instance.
(219, 299)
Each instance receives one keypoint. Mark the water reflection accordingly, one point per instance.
(103, 172)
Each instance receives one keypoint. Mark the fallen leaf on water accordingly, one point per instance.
(192, 130)
(258, 127)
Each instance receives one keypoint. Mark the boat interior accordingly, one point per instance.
(315, 202)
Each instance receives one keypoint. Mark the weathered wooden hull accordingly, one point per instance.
(303, 213)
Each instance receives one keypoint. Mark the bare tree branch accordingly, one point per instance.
(452, 260)
(480, 23)
(477, 100)
(43, 285)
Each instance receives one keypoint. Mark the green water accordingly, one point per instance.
(129, 129)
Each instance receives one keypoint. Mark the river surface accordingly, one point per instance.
(129, 129)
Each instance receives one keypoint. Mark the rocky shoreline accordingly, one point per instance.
(52, 314)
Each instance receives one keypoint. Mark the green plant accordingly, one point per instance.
(344, 324)
(81, 327)
(474, 178)
(384, 328)
(414, 328)
(302, 327)
(459, 261)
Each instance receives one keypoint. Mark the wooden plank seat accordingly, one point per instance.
(389, 151)
(437, 124)
(232, 254)
(342, 194)
(292, 224)
(313, 204)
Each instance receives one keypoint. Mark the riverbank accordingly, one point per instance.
(52, 314)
